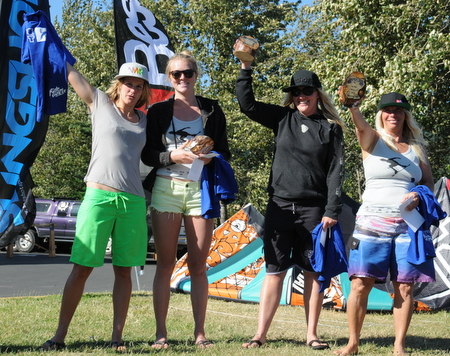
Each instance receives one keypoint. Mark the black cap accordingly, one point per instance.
(393, 99)
(304, 78)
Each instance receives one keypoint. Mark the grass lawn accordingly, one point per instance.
(26, 322)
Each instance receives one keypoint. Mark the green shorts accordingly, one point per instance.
(104, 214)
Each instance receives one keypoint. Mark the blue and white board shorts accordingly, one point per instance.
(379, 245)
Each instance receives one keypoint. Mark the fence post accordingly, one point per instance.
(10, 250)
(51, 244)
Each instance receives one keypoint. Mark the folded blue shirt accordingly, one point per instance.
(329, 257)
(42, 47)
(218, 184)
(421, 247)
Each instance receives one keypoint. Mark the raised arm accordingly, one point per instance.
(367, 136)
(82, 87)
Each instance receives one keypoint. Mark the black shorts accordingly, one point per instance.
(287, 233)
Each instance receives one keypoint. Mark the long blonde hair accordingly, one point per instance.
(325, 104)
(412, 134)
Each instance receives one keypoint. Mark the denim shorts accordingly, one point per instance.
(176, 196)
(379, 245)
(104, 214)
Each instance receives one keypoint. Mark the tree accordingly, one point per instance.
(209, 29)
(401, 46)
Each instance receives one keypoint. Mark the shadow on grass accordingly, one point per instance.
(137, 346)
(270, 342)
(413, 343)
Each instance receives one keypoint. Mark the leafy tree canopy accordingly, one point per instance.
(401, 46)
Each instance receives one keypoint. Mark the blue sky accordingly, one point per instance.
(56, 7)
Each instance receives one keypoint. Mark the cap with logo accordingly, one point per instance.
(304, 78)
(393, 99)
(133, 69)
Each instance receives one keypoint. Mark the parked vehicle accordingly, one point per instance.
(62, 213)
(59, 214)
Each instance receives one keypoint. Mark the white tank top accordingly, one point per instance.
(178, 133)
(389, 176)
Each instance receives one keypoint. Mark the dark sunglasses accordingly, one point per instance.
(305, 91)
(188, 73)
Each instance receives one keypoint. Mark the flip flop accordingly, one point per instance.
(322, 345)
(253, 344)
(51, 345)
(203, 344)
(118, 346)
(160, 344)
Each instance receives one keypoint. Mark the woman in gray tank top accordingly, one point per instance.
(114, 202)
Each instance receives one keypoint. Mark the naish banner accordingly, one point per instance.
(21, 135)
(140, 37)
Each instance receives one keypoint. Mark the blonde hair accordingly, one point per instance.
(412, 134)
(186, 56)
(325, 104)
(114, 92)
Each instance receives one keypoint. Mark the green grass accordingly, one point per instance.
(26, 322)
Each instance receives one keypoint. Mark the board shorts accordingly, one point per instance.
(175, 196)
(379, 245)
(287, 233)
(104, 214)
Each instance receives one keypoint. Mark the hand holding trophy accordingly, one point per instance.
(352, 90)
(245, 48)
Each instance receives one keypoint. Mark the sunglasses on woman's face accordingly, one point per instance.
(188, 73)
(305, 91)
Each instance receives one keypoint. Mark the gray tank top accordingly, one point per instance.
(116, 147)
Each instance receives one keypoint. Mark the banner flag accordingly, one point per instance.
(21, 135)
(140, 37)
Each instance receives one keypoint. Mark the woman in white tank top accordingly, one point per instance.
(394, 161)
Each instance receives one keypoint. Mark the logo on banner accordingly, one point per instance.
(141, 38)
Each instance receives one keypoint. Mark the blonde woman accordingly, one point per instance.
(114, 202)
(395, 161)
(175, 197)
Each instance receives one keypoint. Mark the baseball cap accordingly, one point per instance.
(133, 69)
(393, 99)
(304, 78)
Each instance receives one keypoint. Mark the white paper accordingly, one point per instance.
(413, 217)
(197, 166)
(196, 170)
